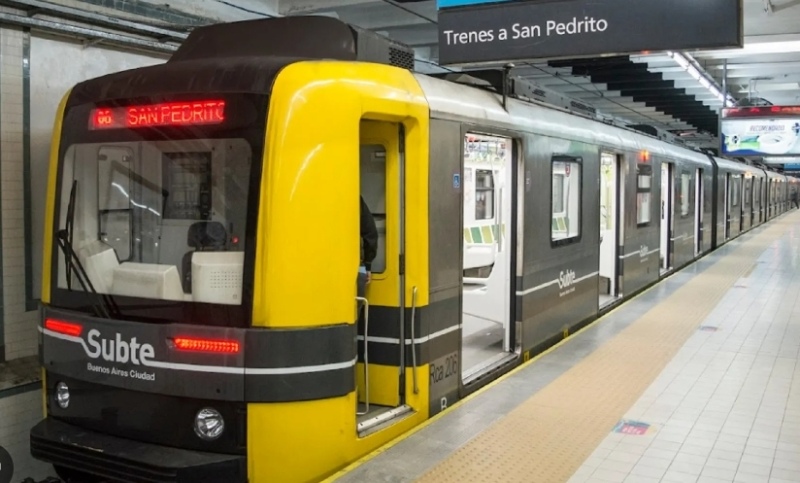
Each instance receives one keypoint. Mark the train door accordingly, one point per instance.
(698, 212)
(771, 199)
(747, 203)
(488, 254)
(667, 198)
(382, 364)
(609, 227)
(728, 205)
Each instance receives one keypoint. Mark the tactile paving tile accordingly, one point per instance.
(546, 438)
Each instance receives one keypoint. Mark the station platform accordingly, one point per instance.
(696, 379)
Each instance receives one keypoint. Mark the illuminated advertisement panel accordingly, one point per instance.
(761, 131)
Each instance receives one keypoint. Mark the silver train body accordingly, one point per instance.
(645, 209)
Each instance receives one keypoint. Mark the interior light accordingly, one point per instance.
(166, 114)
(61, 327)
(191, 344)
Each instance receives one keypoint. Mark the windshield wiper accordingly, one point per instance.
(103, 304)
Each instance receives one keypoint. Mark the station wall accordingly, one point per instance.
(35, 72)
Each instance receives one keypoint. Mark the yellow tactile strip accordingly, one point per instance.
(548, 437)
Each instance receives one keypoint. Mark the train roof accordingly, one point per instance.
(462, 101)
(452, 100)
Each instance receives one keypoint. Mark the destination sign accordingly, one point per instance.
(528, 30)
(151, 115)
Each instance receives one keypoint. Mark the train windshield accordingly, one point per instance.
(159, 214)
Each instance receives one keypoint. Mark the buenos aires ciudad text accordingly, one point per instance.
(518, 31)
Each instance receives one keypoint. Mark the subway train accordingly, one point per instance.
(200, 320)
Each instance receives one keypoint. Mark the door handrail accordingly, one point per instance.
(414, 338)
(366, 351)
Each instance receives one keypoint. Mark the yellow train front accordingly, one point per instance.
(201, 253)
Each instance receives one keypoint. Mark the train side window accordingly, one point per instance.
(566, 199)
(484, 194)
(644, 191)
(686, 183)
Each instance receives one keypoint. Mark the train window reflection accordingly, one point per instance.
(156, 219)
(566, 199)
(686, 198)
(643, 193)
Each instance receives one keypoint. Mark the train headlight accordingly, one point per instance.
(62, 395)
(208, 424)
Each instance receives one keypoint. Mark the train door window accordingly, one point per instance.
(566, 199)
(486, 292)
(373, 191)
(747, 192)
(644, 191)
(686, 194)
(735, 191)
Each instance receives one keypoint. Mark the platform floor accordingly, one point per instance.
(695, 380)
(21, 409)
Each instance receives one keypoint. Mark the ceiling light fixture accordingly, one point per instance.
(704, 79)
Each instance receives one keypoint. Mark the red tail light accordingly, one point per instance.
(218, 346)
(66, 328)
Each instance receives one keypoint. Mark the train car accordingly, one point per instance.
(793, 191)
(774, 194)
(729, 183)
(200, 320)
(751, 205)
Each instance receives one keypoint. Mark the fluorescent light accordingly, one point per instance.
(701, 77)
(771, 47)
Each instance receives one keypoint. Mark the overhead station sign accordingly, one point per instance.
(512, 31)
(761, 131)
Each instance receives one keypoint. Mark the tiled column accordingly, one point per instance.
(19, 324)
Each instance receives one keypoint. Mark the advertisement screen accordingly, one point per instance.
(762, 131)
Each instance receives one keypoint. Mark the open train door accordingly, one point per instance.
(667, 200)
(610, 226)
(488, 257)
(698, 212)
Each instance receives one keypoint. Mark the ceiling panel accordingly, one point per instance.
(639, 88)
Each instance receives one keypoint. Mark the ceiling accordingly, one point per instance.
(650, 89)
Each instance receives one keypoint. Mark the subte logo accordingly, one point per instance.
(6, 466)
